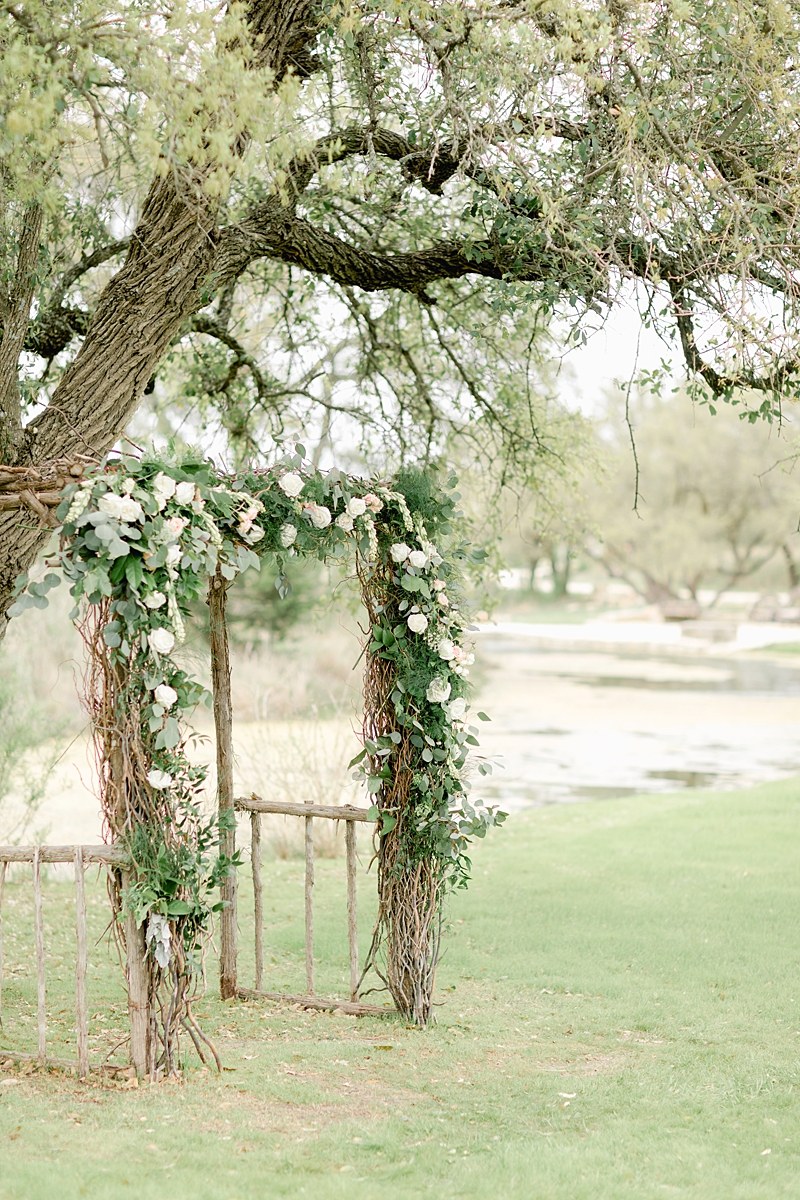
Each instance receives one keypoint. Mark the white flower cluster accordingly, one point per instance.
(80, 501)
(120, 508)
(400, 500)
(440, 625)
(166, 488)
(158, 938)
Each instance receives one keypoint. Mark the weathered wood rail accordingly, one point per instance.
(79, 856)
(257, 807)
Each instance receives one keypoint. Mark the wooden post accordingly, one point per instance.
(41, 989)
(81, 968)
(258, 895)
(309, 906)
(138, 989)
(223, 724)
(352, 913)
(2, 890)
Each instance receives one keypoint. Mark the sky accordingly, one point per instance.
(617, 351)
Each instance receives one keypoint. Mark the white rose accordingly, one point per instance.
(417, 558)
(161, 641)
(447, 649)
(400, 551)
(318, 514)
(356, 507)
(443, 600)
(373, 502)
(165, 695)
(345, 522)
(438, 691)
(438, 584)
(286, 535)
(131, 510)
(174, 556)
(456, 708)
(155, 599)
(291, 484)
(158, 779)
(111, 504)
(128, 485)
(256, 533)
(164, 487)
(417, 622)
(184, 492)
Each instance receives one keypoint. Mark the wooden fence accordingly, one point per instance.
(309, 813)
(79, 856)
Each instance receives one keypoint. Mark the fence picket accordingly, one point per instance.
(41, 985)
(81, 968)
(309, 906)
(258, 895)
(352, 910)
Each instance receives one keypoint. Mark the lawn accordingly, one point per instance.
(619, 1018)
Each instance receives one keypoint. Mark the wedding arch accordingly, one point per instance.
(140, 540)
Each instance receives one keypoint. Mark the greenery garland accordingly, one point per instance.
(139, 540)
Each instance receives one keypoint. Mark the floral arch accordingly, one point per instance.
(140, 539)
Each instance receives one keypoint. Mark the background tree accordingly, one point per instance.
(432, 165)
(714, 508)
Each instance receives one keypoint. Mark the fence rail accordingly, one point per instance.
(62, 854)
(257, 807)
(79, 856)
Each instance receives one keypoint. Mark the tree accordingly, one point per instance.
(714, 508)
(423, 161)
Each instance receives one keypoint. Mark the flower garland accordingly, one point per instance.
(139, 541)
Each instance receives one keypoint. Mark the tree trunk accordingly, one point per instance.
(161, 283)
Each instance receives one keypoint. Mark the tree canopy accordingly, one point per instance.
(452, 174)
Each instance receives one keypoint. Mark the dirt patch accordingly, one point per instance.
(351, 1099)
(588, 1064)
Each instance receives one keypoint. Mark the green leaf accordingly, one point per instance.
(179, 908)
(169, 736)
(134, 571)
(373, 812)
(374, 784)
(388, 823)
(483, 717)
(111, 634)
(355, 761)
(19, 606)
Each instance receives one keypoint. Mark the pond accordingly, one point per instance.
(572, 723)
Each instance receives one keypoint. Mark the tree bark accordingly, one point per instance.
(15, 311)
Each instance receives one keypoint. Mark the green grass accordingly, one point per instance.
(620, 1019)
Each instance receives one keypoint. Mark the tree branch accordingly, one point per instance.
(774, 381)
